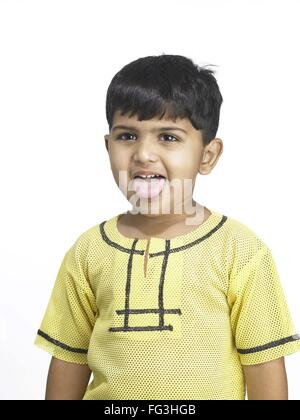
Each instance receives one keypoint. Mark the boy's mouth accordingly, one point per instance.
(149, 177)
(147, 174)
(148, 186)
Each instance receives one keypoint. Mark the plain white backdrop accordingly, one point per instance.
(57, 59)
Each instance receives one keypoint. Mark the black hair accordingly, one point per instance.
(170, 85)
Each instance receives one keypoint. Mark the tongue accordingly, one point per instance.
(148, 188)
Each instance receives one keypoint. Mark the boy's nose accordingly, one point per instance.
(145, 150)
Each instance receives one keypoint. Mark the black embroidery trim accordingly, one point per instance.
(148, 311)
(156, 254)
(270, 345)
(115, 245)
(146, 328)
(59, 344)
(160, 310)
(161, 285)
(196, 242)
(128, 285)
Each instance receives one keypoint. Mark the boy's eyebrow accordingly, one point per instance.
(127, 127)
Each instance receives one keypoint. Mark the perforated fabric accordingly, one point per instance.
(211, 302)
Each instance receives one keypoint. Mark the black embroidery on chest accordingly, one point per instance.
(157, 254)
(161, 311)
(117, 246)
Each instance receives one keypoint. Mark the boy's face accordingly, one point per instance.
(177, 153)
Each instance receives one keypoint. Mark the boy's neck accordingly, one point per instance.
(145, 226)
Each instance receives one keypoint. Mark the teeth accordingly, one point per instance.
(147, 176)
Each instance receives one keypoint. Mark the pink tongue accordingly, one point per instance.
(148, 189)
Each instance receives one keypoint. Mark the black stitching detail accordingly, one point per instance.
(196, 242)
(115, 245)
(148, 328)
(156, 254)
(270, 345)
(59, 344)
(148, 311)
(128, 285)
(160, 310)
(161, 284)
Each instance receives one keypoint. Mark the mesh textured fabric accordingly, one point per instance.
(211, 301)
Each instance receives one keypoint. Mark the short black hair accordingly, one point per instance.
(170, 85)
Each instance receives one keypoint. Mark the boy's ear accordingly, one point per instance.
(106, 137)
(210, 157)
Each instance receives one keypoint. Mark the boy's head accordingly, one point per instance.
(155, 92)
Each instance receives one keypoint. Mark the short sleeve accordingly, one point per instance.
(70, 316)
(261, 322)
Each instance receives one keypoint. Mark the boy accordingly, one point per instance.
(166, 304)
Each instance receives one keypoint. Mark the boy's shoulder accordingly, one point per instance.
(243, 243)
(91, 236)
(242, 232)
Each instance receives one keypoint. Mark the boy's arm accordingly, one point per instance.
(267, 381)
(66, 381)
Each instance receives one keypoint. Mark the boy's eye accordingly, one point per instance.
(121, 137)
(169, 135)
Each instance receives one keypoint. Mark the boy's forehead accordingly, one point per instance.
(151, 124)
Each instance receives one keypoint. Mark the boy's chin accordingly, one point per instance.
(154, 206)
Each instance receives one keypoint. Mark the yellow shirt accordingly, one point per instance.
(211, 301)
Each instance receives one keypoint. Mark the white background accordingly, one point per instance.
(57, 60)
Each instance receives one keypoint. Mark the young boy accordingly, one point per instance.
(166, 304)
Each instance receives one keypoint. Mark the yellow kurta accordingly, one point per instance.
(177, 326)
